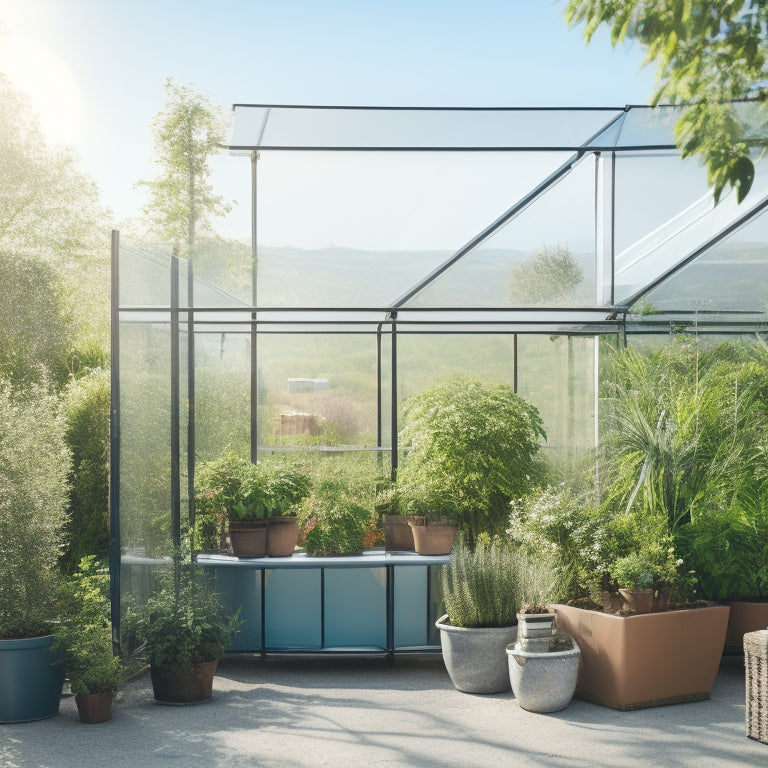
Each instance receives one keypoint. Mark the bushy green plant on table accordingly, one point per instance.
(471, 449)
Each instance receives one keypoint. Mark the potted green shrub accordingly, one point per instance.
(85, 637)
(184, 630)
(471, 448)
(483, 589)
(217, 484)
(34, 464)
(338, 515)
(286, 487)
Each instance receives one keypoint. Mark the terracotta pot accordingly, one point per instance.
(183, 685)
(248, 538)
(639, 600)
(282, 536)
(746, 616)
(432, 537)
(95, 707)
(632, 662)
(398, 536)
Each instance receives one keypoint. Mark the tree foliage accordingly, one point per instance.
(549, 274)
(34, 464)
(710, 54)
(188, 132)
(53, 245)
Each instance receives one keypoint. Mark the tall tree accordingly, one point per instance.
(548, 276)
(710, 53)
(188, 132)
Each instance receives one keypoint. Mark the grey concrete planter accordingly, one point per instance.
(543, 682)
(475, 657)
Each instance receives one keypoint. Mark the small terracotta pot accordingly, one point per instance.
(248, 538)
(639, 600)
(282, 536)
(398, 536)
(431, 537)
(95, 707)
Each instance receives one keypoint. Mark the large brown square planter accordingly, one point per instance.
(633, 662)
(746, 616)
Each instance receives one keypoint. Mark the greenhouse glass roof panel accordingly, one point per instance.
(404, 128)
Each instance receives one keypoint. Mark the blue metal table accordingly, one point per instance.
(378, 602)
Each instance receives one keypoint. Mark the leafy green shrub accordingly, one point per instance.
(34, 465)
(650, 565)
(184, 624)
(473, 448)
(85, 631)
(487, 585)
(728, 549)
(339, 514)
(86, 410)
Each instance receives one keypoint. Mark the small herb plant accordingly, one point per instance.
(486, 586)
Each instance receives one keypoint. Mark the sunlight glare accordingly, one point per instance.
(46, 80)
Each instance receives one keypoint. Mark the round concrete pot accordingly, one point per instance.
(474, 656)
(543, 682)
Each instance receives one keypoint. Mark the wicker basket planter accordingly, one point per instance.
(756, 669)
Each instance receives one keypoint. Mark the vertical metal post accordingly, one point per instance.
(379, 392)
(190, 398)
(114, 441)
(605, 177)
(175, 412)
(514, 363)
(254, 301)
(393, 375)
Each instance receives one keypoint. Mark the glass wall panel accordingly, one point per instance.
(687, 230)
(543, 257)
(733, 275)
(317, 389)
(145, 429)
(222, 392)
(557, 374)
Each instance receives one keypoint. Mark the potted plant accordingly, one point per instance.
(85, 637)
(216, 488)
(471, 448)
(286, 487)
(184, 630)
(398, 535)
(645, 577)
(34, 464)
(483, 588)
(338, 515)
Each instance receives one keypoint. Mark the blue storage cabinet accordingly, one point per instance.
(377, 602)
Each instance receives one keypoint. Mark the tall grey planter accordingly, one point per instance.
(476, 657)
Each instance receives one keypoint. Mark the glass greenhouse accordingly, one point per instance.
(393, 248)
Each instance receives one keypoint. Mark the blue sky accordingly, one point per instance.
(95, 68)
